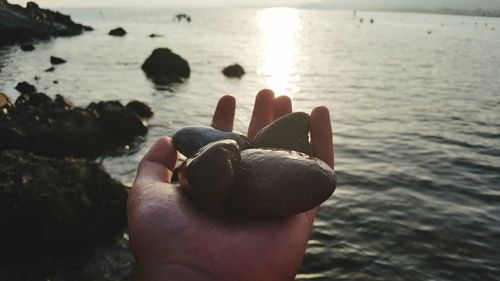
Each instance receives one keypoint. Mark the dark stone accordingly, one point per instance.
(180, 17)
(152, 35)
(140, 108)
(118, 121)
(37, 78)
(25, 88)
(18, 24)
(165, 66)
(256, 183)
(209, 176)
(55, 82)
(234, 70)
(278, 183)
(117, 32)
(190, 140)
(54, 207)
(56, 60)
(88, 28)
(55, 127)
(50, 69)
(290, 132)
(27, 47)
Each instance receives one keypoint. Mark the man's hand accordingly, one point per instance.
(173, 240)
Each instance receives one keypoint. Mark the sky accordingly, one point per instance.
(462, 4)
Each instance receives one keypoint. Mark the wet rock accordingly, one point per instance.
(256, 183)
(180, 17)
(209, 176)
(140, 108)
(277, 183)
(190, 140)
(55, 82)
(165, 66)
(18, 24)
(50, 69)
(234, 70)
(56, 60)
(27, 47)
(153, 35)
(117, 32)
(55, 127)
(54, 207)
(118, 121)
(290, 132)
(88, 28)
(25, 88)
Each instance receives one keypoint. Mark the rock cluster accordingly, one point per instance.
(50, 206)
(18, 24)
(40, 124)
(273, 177)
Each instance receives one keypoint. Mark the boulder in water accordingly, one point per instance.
(165, 66)
(117, 32)
(234, 70)
(25, 88)
(56, 60)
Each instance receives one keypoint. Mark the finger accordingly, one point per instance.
(224, 114)
(158, 163)
(321, 135)
(262, 113)
(282, 106)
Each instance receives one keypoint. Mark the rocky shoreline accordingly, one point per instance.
(18, 24)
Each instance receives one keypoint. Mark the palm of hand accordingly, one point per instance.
(171, 238)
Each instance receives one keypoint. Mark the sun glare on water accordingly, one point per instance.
(279, 28)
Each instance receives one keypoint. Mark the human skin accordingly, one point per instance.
(174, 240)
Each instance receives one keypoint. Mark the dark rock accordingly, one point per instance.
(50, 69)
(27, 47)
(117, 32)
(58, 128)
(152, 35)
(55, 82)
(277, 183)
(209, 176)
(53, 207)
(37, 78)
(180, 17)
(88, 28)
(165, 66)
(18, 24)
(290, 132)
(141, 109)
(234, 70)
(56, 60)
(257, 183)
(118, 121)
(25, 88)
(190, 140)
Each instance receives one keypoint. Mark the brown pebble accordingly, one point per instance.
(290, 132)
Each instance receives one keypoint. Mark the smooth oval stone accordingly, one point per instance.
(290, 132)
(210, 174)
(277, 183)
(190, 140)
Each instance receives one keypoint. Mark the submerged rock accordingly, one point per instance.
(234, 70)
(56, 60)
(163, 67)
(50, 69)
(140, 108)
(117, 32)
(51, 207)
(25, 88)
(290, 132)
(190, 140)
(262, 183)
(27, 47)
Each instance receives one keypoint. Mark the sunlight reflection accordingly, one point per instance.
(279, 27)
